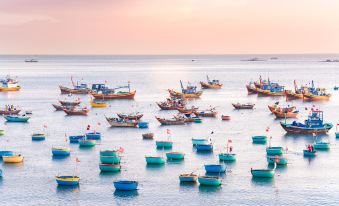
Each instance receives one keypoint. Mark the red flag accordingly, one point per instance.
(77, 160)
(121, 150)
(88, 127)
(229, 141)
(267, 129)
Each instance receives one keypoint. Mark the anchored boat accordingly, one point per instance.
(155, 160)
(148, 136)
(175, 155)
(61, 151)
(9, 84)
(243, 106)
(98, 104)
(206, 113)
(274, 150)
(188, 92)
(125, 185)
(259, 139)
(67, 180)
(172, 121)
(209, 180)
(316, 94)
(119, 122)
(109, 167)
(75, 139)
(87, 143)
(130, 116)
(164, 144)
(215, 168)
(38, 136)
(13, 158)
(191, 177)
(76, 111)
(77, 88)
(93, 135)
(211, 84)
(18, 118)
(204, 147)
(100, 91)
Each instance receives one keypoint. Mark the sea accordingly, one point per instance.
(303, 181)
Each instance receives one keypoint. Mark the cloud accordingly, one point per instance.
(19, 19)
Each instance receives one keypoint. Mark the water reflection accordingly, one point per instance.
(209, 189)
(67, 188)
(258, 181)
(126, 194)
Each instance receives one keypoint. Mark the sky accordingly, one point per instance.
(169, 26)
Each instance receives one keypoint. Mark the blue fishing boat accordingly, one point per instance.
(6, 153)
(215, 168)
(143, 125)
(112, 153)
(204, 147)
(87, 143)
(126, 185)
(314, 124)
(196, 141)
(308, 153)
(155, 160)
(175, 155)
(191, 177)
(110, 167)
(259, 139)
(12, 118)
(110, 159)
(227, 157)
(93, 135)
(67, 180)
(274, 150)
(38, 137)
(209, 180)
(61, 151)
(75, 139)
(164, 144)
(263, 173)
(321, 145)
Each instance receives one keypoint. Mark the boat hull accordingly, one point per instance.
(6, 153)
(210, 86)
(215, 168)
(274, 150)
(155, 160)
(309, 153)
(259, 139)
(110, 159)
(61, 152)
(66, 90)
(209, 181)
(93, 136)
(128, 95)
(164, 144)
(126, 185)
(188, 178)
(262, 92)
(321, 146)
(264, 173)
(272, 160)
(204, 147)
(179, 94)
(305, 130)
(16, 119)
(175, 155)
(13, 159)
(87, 143)
(10, 89)
(311, 97)
(110, 167)
(285, 114)
(67, 180)
(98, 105)
(227, 157)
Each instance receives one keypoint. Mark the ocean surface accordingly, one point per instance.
(303, 181)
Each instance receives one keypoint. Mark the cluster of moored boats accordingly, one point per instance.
(110, 160)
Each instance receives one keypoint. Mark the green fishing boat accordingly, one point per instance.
(164, 144)
(259, 139)
(227, 157)
(274, 150)
(110, 159)
(87, 143)
(209, 180)
(175, 155)
(155, 160)
(309, 151)
(321, 145)
(263, 173)
(110, 167)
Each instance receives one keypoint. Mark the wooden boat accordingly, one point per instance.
(225, 117)
(100, 91)
(272, 160)
(270, 89)
(13, 159)
(131, 116)
(187, 118)
(209, 180)
(38, 137)
(276, 106)
(9, 85)
(173, 121)
(93, 135)
(19, 118)
(97, 104)
(243, 106)
(164, 144)
(87, 143)
(283, 114)
(263, 173)
(109, 167)
(58, 107)
(188, 177)
(215, 168)
(155, 160)
(126, 185)
(274, 150)
(76, 111)
(204, 147)
(110, 159)
(314, 124)
(316, 94)
(7, 111)
(119, 122)
(251, 89)
(148, 136)
(70, 103)
(185, 110)
(75, 139)
(67, 180)
(77, 88)
(188, 92)
(6, 153)
(259, 139)
(175, 155)
(297, 93)
(31, 60)
(227, 157)
(211, 84)
(206, 113)
(166, 106)
(321, 145)
(61, 151)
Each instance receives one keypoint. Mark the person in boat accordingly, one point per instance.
(231, 149)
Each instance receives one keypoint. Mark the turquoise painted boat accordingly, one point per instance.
(110, 159)
(227, 157)
(2, 132)
(204, 147)
(259, 139)
(67, 180)
(274, 150)
(308, 153)
(38, 137)
(175, 155)
(321, 145)
(191, 177)
(6, 153)
(197, 120)
(87, 143)
(281, 161)
(61, 151)
(164, 144)
(110, 167)
(263, 173)
(337, 135)
(75, 139)
(209, 180)
(125, 185)
(155, 160)
(10, 118)
(215, 168)
(93, 135)
(199, 141)
(112, 153)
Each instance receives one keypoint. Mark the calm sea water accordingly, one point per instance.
(303, 181)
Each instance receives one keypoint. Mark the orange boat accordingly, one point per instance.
(225, 117)
(297, 93)
(276, 106)
(76, 111)
(316, 94)
(285, 114)
(214, 84)
(188, 92)
(100, 91)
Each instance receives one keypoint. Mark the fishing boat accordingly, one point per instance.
(314, 124)
(98, 104)
(187, 118)
(76, 111)
(112, 153)
(100, 91)
(243, 106)
(175, 155)
(259, 139)
(285, 113)
(126, 185)
(10, 110)
(172, 121)
(336, 88)
(196, 141)
(172, 103)
(143, 124)
(251, 88)
(87, 143)
(206, 113)
(321, 145)
(38, 136)
(9, 85)
(228, 155)
(13, 159)
(109, 167)
(77, 88)
(67, 180)
(191, 177)
(75, 139)
(188, 92)
(164, 144)
(276, 106)
(225, 117)
(148, 136)
(31, 60)
(61, 151)
(271, 89)
(272, 160)
(204, 147)
(18, 118)
(6, 153)
(263, 173)
(131, 116)
(70, 103)
(316, 94)
(155, 160)
(274, 150)
(110, 159)
(93, 135)
(211, 84)
(119, 122)
(209, 180)
(185, 110)
(297, 93)
(58, 107)
(215, 168)
(309, 151)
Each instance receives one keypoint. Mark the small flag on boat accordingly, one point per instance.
(88, 127)
(77, 160)
(121, 150)
(267, 129)
(229, 141)
(168, 131)
(277, 158)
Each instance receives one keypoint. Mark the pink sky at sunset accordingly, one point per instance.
(168, 26)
